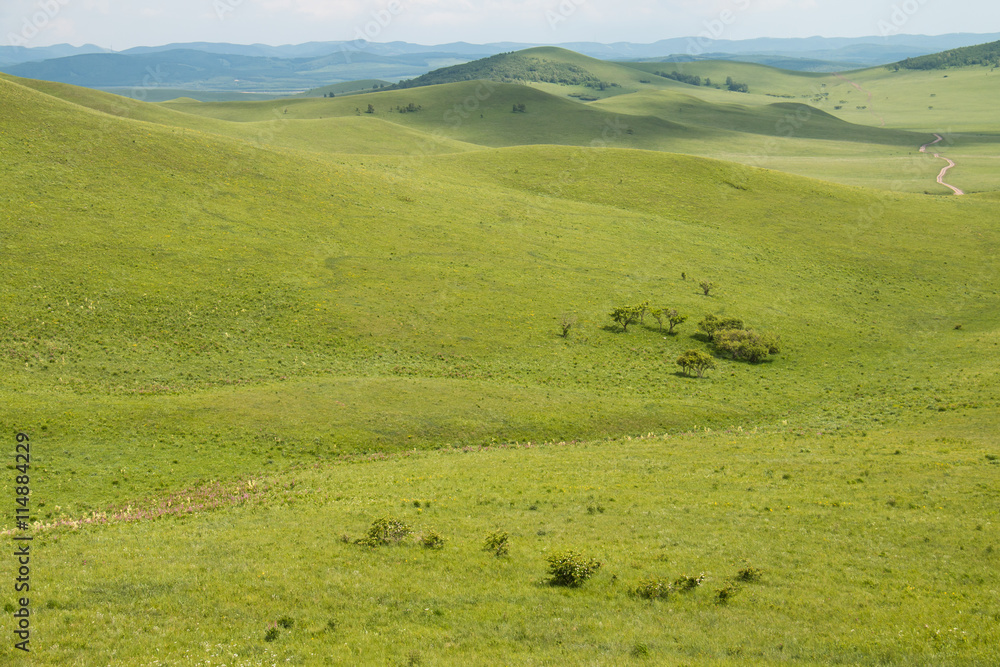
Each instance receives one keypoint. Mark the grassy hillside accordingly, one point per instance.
(770, 127)
(776, 119)
(252, 346)
(263, 267)
(555, 70)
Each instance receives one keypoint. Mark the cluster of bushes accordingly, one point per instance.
(409, 108)
(690, 79)
(735, 86)
(656, 588)
(695, 80)
(728, 335)
(626, 315)
(566, 568)
(601, 85)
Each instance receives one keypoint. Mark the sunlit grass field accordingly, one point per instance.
(871, 550)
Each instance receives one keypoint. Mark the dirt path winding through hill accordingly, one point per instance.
(940, 178)
(871, 106)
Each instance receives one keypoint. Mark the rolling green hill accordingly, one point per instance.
(237, 333)
(770, 127)
(555, 70)
(362, 270)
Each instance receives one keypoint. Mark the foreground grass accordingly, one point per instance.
(874, 550)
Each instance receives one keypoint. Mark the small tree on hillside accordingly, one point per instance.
(642, 309)
(697, 361)
(625, 315)
(673, 319)
(707, 286)
(566, 322)
(657, 314)
(371, 108)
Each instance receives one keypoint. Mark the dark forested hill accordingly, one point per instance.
(981, 54)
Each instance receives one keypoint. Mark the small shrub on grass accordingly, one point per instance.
(749, 574)
(686, 583)
(272, 633)
(286, 622)
(569, 568)
(432, 540)
(385, 530)
(640, 650)
(725, 594)
(566, 322)
(654, 589)
(711, 324)
(497, 543)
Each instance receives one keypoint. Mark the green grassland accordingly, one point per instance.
(327, 308)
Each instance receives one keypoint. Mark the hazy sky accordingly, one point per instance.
(121, 24)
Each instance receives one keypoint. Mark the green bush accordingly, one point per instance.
(432, 540)
(569, 568)
(745, 344)
(749, 574)
(695, 360)
(711, 324)
(385, 530)
(686, 583)
(640, 650)
(726, 593)
(497, 543)
(654, 589)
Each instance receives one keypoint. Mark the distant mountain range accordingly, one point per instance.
(292, 68)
